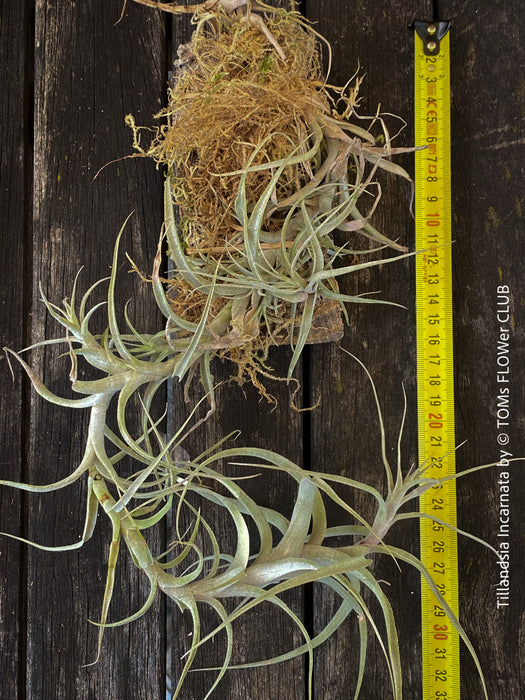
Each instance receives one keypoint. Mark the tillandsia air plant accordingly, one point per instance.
(260, 200)
(194, 572)
(270, 186)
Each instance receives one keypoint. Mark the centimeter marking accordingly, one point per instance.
(435, 376)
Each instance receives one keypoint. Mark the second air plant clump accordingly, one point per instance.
(269, 178)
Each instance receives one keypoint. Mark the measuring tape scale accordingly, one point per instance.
(435, 367)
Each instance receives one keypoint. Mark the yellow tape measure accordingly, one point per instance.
(435, 379)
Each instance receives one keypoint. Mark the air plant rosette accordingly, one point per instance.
(261, 199)
(194, 572)
(270, 188)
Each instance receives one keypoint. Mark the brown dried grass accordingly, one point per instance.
(231, 92)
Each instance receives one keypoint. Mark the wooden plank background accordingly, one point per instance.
(69, 76)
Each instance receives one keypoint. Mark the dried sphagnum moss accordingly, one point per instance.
(233, 92)
(286, 554)
(263, 171)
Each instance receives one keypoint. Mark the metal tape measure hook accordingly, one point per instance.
(431, 33)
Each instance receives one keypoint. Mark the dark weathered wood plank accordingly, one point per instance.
(345, 435)
(89, 73)
(266, 632)
(14, 56)
(488, 46)
(487, 181)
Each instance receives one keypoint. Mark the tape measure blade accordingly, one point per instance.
(435, 375)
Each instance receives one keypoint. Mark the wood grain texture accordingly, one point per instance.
(488, 133)
(487, 123)
(89, 74)
(266, 631)
(14, 147)
(86, 75)
(375, 39)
